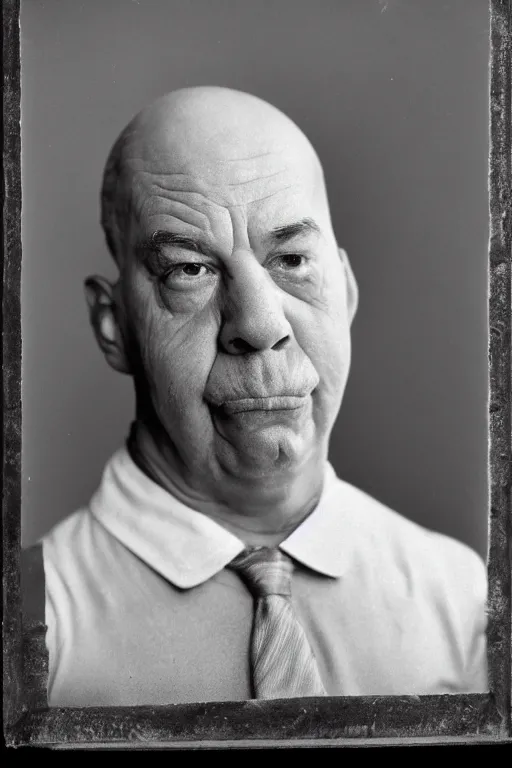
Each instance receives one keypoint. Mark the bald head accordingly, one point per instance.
(225, 137)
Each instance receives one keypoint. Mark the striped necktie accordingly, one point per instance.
(282, 661)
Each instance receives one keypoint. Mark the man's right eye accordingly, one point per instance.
(186, 275)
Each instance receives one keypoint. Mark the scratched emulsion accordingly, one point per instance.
(472, 716)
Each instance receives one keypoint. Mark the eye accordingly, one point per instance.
(290, 261)
(187, 274)
(188, 270)
(289, 269)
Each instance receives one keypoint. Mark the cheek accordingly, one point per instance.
(177, 353)
(326, 341)
(322, 329)
(336, 326)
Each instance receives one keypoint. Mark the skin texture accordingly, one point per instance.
(238, 340)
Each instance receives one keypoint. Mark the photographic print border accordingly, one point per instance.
(336, 722)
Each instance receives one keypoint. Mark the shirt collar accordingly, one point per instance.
(186, 546)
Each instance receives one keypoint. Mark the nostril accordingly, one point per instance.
(241, 345)
(281, 343)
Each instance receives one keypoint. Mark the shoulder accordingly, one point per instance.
(69, 531)
(38, 560)
(430, 561)
(72, 549)
(434, 585)
(76, 536)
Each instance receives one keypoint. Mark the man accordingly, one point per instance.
(221, 558)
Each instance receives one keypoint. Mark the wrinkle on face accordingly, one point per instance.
(189, 161)
(256, 178)
(200, 193)
(198, 132)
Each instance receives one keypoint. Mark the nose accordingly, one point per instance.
(253, 317)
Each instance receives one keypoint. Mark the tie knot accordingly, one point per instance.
(265, 571)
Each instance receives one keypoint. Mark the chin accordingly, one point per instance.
(274, 455)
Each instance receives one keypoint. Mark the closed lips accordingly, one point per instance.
(279, 403)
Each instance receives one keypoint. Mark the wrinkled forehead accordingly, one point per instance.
(191, 180)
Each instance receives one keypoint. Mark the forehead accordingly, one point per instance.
(193, 187)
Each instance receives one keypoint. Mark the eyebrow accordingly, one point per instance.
(303, 227)
(278, 235)
(164, 237)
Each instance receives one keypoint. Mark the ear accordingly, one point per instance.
(99, 294)
(352, 289)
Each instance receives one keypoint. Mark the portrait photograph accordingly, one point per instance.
(257, 343)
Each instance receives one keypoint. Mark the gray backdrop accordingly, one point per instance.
(394, 96)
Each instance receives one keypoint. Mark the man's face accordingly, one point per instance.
(236, 298)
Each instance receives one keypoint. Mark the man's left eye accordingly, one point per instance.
(191, 270)
(290, 260)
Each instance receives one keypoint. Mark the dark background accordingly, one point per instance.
(394, 96)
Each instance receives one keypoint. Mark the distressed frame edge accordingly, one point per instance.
(26, 725)
(500, 391)
(11, 362)
(390, 719)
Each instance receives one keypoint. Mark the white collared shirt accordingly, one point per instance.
(141, 608)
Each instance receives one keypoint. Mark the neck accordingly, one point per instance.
(258, 519)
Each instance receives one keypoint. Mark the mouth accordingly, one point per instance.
(279, 403)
